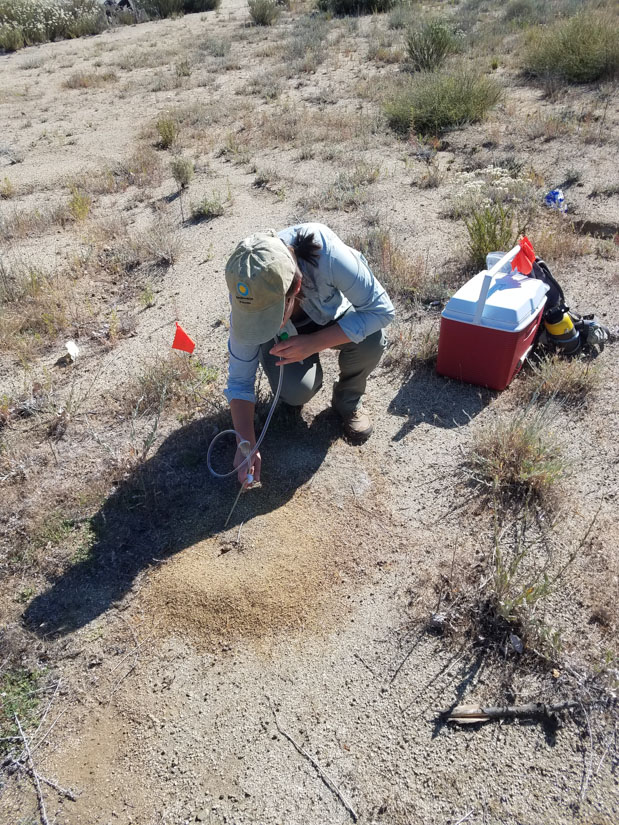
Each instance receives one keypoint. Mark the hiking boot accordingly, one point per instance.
(357, 425)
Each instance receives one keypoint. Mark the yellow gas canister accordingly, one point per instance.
(560, 328)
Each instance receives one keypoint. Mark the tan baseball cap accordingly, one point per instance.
(259, 273)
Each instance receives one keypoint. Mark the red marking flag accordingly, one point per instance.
(524, 260)
(182, 341)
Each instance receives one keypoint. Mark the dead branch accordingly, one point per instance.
(320, 771)
(35, 775)
(472, 714)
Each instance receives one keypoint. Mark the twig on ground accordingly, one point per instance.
(370, 513)
(122, 679)
(64, 791)
(365, 664)
(586, 779)
(465, 817)
(130, 628)
(471, 714)
(133, 651)
(46, 711)
(320, 771)
(238, 535)
(35, 775)
(49, 730)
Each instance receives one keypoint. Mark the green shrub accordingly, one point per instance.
(307, 47)
(11, 39)
(343, 8)
(525, 11)
(215, 46)
(24, 22)
(402, 16)
(490, 227)
(582, 49)
(163, 8)
(79, 204)
(432, 102)
(429, 45)
(264, 12)
(168, 131)
(20, 691)
(191, 6)
(182, 171)
(208, 208)
(183, 69)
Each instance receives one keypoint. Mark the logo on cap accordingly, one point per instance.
(242, 289)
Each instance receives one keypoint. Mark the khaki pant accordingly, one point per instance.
(302, 381)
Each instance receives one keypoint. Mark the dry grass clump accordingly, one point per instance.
(558, 241)
(142, 168)
(305, 126)
(177, 380)
(518, 460)
(88, 80)
(120, 253)
(400, 274)
(33, 310)
(26, 223)
(582, 49)
(572, 381)
(7, 190)
(413, 344)
(267, 85)
(348, 191)
(430, 103)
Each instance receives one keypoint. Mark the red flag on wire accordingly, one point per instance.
(524, 260)
(182, 341)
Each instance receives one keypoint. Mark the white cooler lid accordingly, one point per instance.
(512, 302)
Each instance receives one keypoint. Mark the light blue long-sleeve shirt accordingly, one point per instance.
(341, 282)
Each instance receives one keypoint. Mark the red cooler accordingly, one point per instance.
(488, 327)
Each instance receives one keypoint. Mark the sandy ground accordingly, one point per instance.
(190, 656)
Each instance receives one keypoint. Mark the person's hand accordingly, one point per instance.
(239, 458)
(293, 349)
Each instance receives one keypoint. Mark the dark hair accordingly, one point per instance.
(298, 277)
(306, 247)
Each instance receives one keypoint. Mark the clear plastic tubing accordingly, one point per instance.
(241, 440)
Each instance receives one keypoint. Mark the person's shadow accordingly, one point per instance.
(169, 503)
(426, 397)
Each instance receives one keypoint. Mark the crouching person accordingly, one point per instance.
(294, 294)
